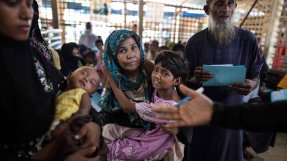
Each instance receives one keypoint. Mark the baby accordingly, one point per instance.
(72, 111)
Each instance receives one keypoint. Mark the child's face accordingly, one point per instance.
(128, 56)
(76, 52)
(86, 78)
(99, 45)
(162, 78)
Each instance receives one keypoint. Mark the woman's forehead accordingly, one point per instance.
(129, 40)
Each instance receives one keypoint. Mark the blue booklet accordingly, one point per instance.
(226, 74)
(279, 95)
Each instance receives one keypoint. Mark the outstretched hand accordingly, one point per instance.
(197, 111)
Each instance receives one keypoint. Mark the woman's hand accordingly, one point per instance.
(106, 73)
(91, 133)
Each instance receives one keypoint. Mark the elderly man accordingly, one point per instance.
(221, 43)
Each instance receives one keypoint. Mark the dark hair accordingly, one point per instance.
(89, 58)
(82, 49)
(173, 62)
(88, 25)
(155, 42)
(99, 41)
(208, 1)
(67, 49)
(162, 48)
(178, 47)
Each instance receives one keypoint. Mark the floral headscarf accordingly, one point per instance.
(35, 36)
(109, 102)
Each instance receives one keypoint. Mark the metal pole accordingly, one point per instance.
(125, 14)
(253, 5)
(55, 14)
(140, 14)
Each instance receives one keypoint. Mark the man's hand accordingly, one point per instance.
(201, 75)
(197, 111)
(246, 87)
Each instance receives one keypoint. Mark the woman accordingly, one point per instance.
(71, 58)
(29, 86)
(124, 59)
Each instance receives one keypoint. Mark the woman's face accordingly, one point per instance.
(128, 56)
(76, 52)
(15, 18)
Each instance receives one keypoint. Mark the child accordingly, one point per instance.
(169, 72)
(81, 84)
(99, 58)
(99, 44)
(72, 106)
(89, 59)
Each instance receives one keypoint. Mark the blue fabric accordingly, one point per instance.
(109, 103)
(210, 143)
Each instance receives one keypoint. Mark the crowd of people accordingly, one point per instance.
(47, 110)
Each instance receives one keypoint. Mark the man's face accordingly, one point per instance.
(153, 47)
(222, 10)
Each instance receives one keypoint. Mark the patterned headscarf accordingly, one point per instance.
(35, 36)
(109, 102)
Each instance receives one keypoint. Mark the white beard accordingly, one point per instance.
(223, 32)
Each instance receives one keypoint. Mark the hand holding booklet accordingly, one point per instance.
(225, 74)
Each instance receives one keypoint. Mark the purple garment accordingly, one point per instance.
(139, 144)
(211, 143)
(144, 109)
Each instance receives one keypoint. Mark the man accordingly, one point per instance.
(146, 48)
(154, 45)
(221, 43)
(88, 38)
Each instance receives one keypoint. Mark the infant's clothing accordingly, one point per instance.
(68, 103)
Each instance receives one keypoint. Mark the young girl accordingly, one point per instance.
(169, 72)
(99, 58)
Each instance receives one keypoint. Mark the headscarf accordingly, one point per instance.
(30, 86)
(35, 37)
(69, 62)
(109, 102)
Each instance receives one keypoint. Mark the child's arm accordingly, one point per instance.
(84, 109)
(85, 106)
(125, 103)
